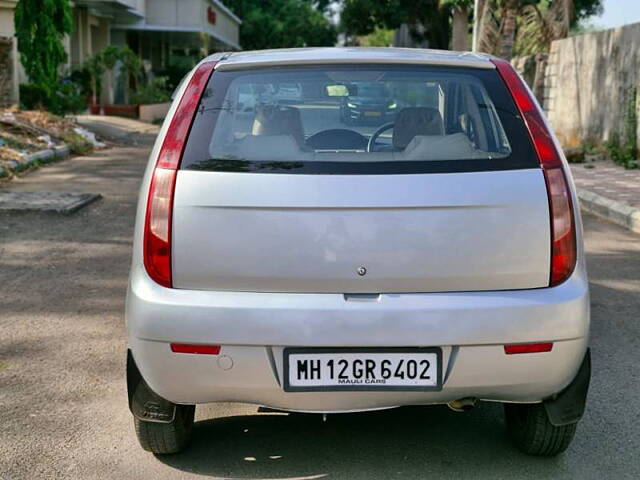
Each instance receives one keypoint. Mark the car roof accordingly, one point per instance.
(385, 55)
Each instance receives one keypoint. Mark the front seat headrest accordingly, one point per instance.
(278, 120)
(414, 121)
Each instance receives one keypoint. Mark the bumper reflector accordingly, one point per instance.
(528, 348)
(197, 349)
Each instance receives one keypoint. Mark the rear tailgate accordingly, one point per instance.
(311, 233)
(451, 199)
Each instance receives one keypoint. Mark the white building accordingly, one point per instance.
(158, 30)
(8, 54)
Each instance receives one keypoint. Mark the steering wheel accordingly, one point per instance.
(376, 134)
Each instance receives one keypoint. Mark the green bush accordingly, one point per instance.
(177, 68)
(621, 147)
(624, 155)
(65, 98)
(68, 98)
(625, 152)
(33, 96)
(82, 78)
(153, 92)
(574, 155)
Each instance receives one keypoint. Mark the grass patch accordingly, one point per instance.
(77, 143)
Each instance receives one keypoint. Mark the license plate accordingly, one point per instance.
(372, 114)
(349, 369)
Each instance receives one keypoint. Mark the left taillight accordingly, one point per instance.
(563, 229)
(157, 229)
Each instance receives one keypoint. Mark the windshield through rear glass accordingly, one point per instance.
(357, 119)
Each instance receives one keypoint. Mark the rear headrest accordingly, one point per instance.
(414, 121)
(269, 148)
(278, 120)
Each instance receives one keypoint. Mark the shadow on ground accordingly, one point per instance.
(403, 443)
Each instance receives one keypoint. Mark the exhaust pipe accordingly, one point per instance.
(463, 404)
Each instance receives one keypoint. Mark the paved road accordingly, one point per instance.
(63, 410)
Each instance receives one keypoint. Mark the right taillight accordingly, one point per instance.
(563, 232)
(157, 228)
(563, 245)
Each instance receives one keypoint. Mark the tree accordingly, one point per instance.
(130, 65)
(427, 19)
(585, 9)
(95, 68)
(131, 68)
(529, 26)
(438, 21)
(541, 24)
(510, 10)
(40, 27)
(460, 10)
(380, 37)
(283, 23)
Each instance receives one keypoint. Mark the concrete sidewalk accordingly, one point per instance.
(119, 129)
(609, 191)
(65, 187)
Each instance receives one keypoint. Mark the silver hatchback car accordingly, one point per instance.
(287, 259)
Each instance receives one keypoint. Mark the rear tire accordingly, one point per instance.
(532, 432)
(164, 438)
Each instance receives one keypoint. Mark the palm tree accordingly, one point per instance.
(131, 68)
(460, 23)
(541, 25)
(95, 67)
(130, 65)
(524, 26)
(510, 10)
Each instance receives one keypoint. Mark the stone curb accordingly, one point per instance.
(616, 212)
(83, 201)
(38, 158)
(57, 202)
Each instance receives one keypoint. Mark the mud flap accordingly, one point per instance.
(144, 403)
(568, 406)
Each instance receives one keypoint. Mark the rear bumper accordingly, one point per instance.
(253, 329)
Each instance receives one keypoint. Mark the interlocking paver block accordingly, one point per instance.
(609, 180)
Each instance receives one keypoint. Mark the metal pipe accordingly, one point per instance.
(477, 14)
(463, 404)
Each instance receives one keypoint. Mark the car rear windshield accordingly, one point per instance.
(368, 119)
